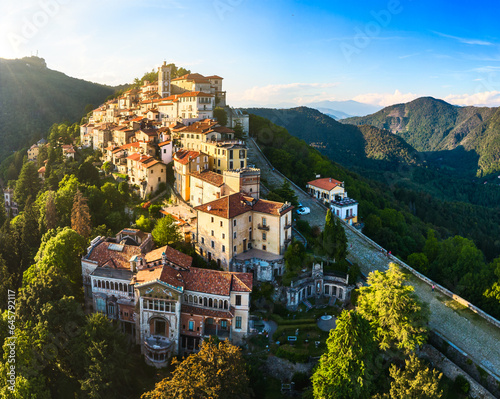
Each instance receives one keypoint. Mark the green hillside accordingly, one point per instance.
(33, 97)
(363, 146)
(429, 124)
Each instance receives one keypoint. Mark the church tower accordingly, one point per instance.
(164, 79)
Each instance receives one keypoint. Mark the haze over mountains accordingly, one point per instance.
(33, 97)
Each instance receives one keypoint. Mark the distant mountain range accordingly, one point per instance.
(33, 97)
(347, 108)
(363, 146)
(434, 125)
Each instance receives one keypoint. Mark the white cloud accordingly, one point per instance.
(486, 98)
(465, 40)
(386, 99)
(298, 93)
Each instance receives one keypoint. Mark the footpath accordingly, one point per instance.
(472, 334)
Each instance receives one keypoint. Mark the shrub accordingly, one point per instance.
(461, 384)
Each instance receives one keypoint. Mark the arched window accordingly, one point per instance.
(216, 303)
(210, 303)
(121, 287)
(99, 284)
(95, 283)
(107, 285)
(225, 304)
(190, 299)
(195, 299)
(112, 285)
(204, 301)
(185, 298)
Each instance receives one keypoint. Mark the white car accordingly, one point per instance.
(303, 211)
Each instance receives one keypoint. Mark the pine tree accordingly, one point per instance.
(27, 185)
(50, 211)
(345, 370)
(80, 215)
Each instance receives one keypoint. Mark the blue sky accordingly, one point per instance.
(273, 52)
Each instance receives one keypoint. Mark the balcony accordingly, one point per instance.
(158, 344)
(219, 332)
(288, 225)
(263, 227)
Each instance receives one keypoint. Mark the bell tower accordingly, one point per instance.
(164, 73)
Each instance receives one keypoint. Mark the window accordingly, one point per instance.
(264, 222)
(203, 240)
(238, 322)
(230, 154)
(234, 234)
(223, 248)
(230, 164)
(213, 244)
(223, 236)
(101, 305)
(212, 233)
(159, 179)
(221, 224)
(242, 164)
(212, 219)
(191, 325)
(327, 289)
(238, 300)
(223, 324)
(234, 222)
(250, 218)
(111, 309)
(264, 248)
(234, 249)
(264, 236)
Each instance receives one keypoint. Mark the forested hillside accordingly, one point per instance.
(414, 225)
(365, 146)
(33, 97)
(429, 124)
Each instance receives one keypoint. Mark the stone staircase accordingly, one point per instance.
(308, 304)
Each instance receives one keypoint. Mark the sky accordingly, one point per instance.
(273, 52)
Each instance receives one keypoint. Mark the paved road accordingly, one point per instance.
(468, 331)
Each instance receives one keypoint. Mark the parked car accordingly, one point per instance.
(303, 211)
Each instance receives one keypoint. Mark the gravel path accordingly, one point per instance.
(468, 331)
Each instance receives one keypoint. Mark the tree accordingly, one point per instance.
(107, 167)
(105, 359)
(287, 193)
(390, 305)
(50, 211)
(28, 184)
(345, 371)
(166, 231)
(415, 381)
(144, 223)
(238, 130)
(217, 371)
(221, 115)
(88, 173)
(295, 256)
(80, 215)
(334, 242)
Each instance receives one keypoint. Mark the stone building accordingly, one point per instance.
(317, 284)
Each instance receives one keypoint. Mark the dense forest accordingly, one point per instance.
(429, 124)
(33, 97)
(404, 221)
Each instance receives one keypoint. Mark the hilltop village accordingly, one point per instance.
(156, 295)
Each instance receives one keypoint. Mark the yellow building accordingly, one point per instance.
(242, 233)
(185, 163)
(146, 172)
(33, 152)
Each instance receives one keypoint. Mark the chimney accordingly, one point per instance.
(330, 179)
(164, 258)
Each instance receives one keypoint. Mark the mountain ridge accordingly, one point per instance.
(429, 124)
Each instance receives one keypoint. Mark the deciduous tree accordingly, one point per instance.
(217, 371)
(28, 184)
(166, 231)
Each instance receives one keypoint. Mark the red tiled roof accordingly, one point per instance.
(214, 77)
(326, 183)
(210, 177)
(164, 143)
(102, 254)
(184, 156)
(195, 94)
(236, 204)
(174, 256)
(216, 282)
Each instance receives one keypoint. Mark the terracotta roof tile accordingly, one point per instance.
(184, 156)
(210, 177)
(174, 256)
(325, 183)
(223, 314)
(102, 253)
